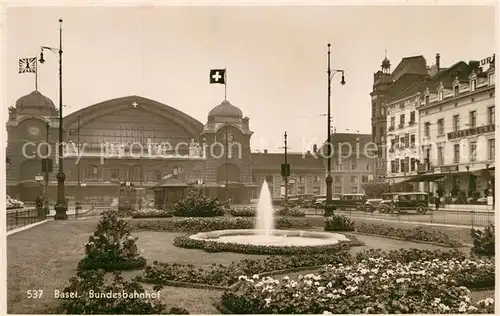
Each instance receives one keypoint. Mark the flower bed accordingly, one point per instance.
(292, 212)
(338, 223)
(227, 275)
(375, 286)
(151, 213)
(196, 224)
(414, 234)
(196, 205)
(213, 246)
(111, 247)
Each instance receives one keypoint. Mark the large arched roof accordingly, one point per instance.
(93, 112)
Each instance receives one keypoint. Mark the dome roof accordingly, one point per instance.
(226, 109)
(386, 63)
(34, 100)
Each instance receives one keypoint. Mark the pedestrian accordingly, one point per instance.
(437, 201)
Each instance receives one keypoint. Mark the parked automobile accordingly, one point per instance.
(319, 203)
(353, 201)
(406, 201)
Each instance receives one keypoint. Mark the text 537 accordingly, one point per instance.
(34, 293)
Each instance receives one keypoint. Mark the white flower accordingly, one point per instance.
(321, 288)
(255, 276)
(462, 307)
(443, 307)
(268, 300)
(327, 313)
(472, 308)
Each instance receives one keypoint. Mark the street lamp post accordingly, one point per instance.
(329, 180)
(61, 207)
(46, 195)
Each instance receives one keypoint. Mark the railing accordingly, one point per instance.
(23, 216)
(472, 218)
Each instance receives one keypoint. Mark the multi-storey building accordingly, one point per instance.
(307, 174)
(403, 133)
(402, 137)
(457, 128)
(386, 86)
(351, 161)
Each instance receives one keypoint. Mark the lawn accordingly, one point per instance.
(45, 257)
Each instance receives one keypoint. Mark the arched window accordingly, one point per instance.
(92, 173)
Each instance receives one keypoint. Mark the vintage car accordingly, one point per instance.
(402, 202)
(372, 205)
(354, 201)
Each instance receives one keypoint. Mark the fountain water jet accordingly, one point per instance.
(265, 212)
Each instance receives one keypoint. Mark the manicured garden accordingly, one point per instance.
(433, 273)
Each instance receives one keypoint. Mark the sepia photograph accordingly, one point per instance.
(249, 159)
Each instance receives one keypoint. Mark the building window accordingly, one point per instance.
(374, 109)
(456, 153)
(374, 133)
(413, 162)
(338, 190)
(491, 149)
(440, 124)
(269, 180)
(472, 151)
(354, 179)
(456, 123)
(396, 162)
(473, 85)
(456, 90)
(301, 179)
(302, 190)
(393, 122)
(115, 174)
(382, 133)
(491, 115)
(382, 109)
(157, 175)
(440, 154)
(427, 129)
(354, 190)
(491, 79)
(338, 179)
(427, 98)
(92, 173)
(316, 190)
(441, 95)
(316, 179)
(412, 117)
(393, 166)
(402, 120)
(354, 165)
(412, 140)
(472, 119)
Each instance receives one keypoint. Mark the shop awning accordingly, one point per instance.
(425, 177)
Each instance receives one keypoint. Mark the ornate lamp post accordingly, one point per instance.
(329, 180)
(61, 207)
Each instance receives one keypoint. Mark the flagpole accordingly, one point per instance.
(36, 74)
(225, 84)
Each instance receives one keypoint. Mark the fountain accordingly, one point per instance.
(264, 233)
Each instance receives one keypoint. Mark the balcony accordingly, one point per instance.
(478, 130)
(401, 125)
(391, 128)
(411, 123)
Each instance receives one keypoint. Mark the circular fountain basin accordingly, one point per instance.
(274, 238)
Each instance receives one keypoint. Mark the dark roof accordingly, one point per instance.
(297, 161)
(412, 64)
(445, 75)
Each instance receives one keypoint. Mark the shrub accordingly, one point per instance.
(88, 283)
(197, 205)
(337, 222)
(375, 286)
(226, 275)
(111, 247)
(293, 212)
(151, 212)
(213, 246)
(412, 234)
(484, 241)
(243, 211)
(199, 224)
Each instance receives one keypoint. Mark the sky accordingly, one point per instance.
(276, 58)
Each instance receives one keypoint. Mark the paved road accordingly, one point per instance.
(474, 218)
